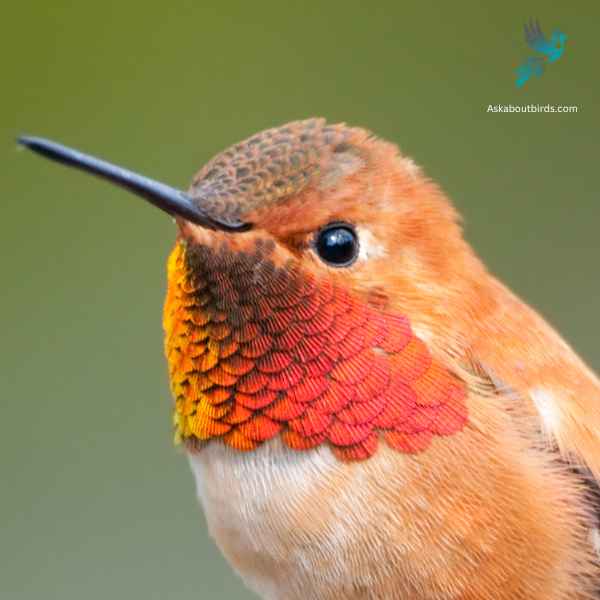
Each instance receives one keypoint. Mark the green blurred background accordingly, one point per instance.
(95, 501)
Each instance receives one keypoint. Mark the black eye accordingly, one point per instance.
(337, 244)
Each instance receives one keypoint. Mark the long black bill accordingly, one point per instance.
(169, 199)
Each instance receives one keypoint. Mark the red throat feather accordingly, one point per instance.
(257, 351)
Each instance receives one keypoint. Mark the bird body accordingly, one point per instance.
(305, 525)
(534, 65)
(367, 412)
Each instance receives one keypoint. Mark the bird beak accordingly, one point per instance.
(171, 200)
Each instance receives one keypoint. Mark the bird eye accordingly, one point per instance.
(337, 244)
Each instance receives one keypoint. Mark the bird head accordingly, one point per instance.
(336, 203)
(558, 38)
(300, 324)
(313, 270)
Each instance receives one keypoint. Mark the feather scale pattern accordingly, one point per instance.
(257, 351)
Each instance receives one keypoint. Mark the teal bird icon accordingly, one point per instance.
(550, 49)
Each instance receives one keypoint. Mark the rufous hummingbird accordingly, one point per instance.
(367, 411)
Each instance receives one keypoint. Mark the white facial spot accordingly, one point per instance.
(411, 167)
(369, 246)
(423, 333)
(595, 539)
(545, 403)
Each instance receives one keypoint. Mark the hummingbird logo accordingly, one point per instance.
(550, 49)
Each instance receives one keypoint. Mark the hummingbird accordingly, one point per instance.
(550, 49)
(367, 411)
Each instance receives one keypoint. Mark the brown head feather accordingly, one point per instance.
(271, 166)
